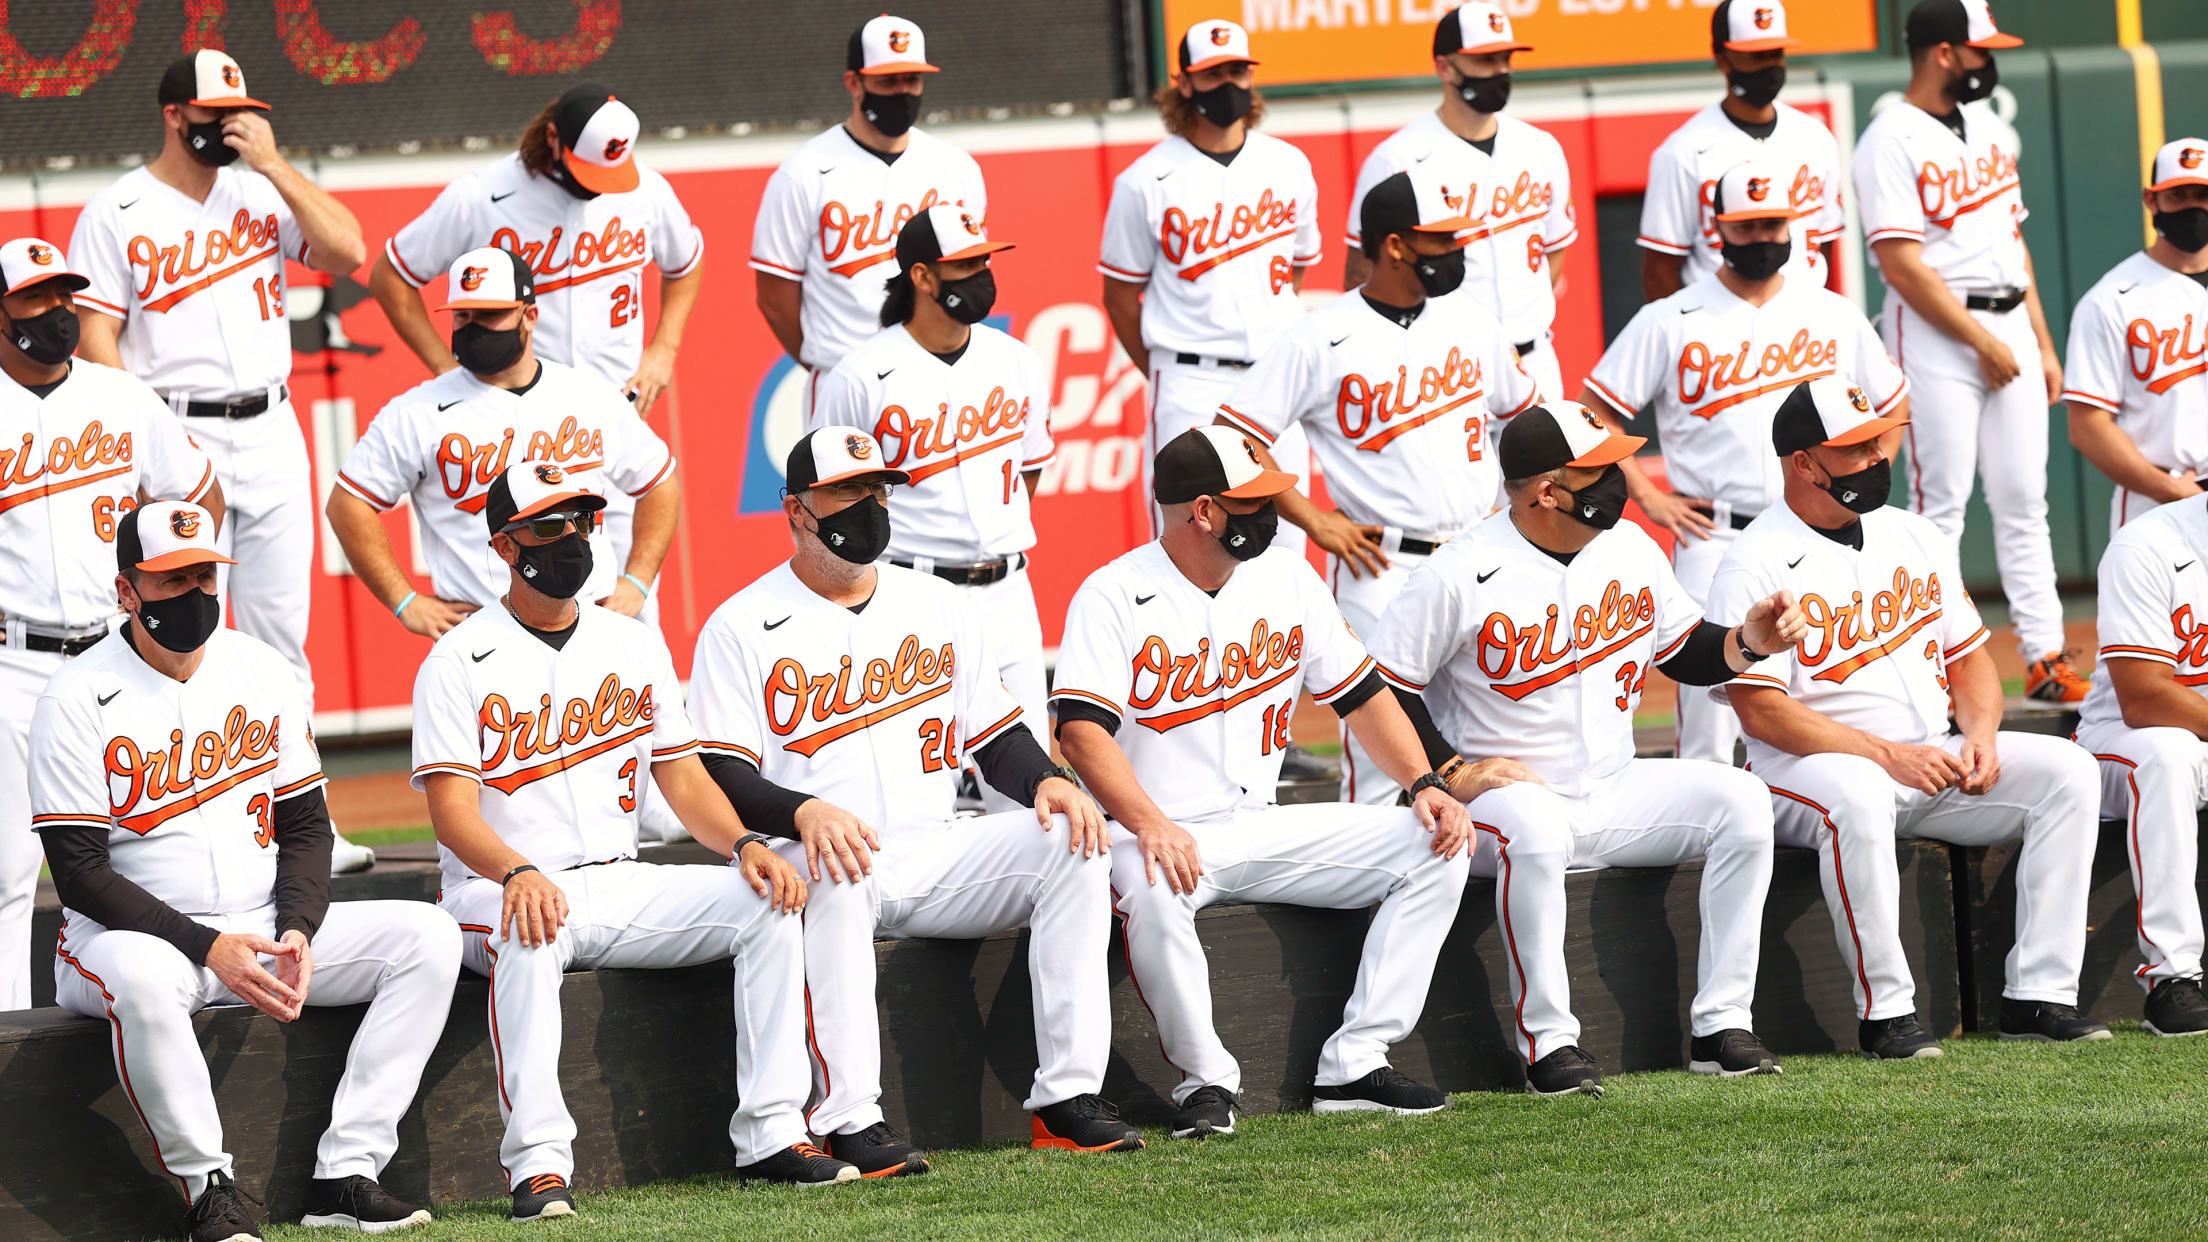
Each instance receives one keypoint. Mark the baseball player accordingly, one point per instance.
(1177, 680)
(965, 411)
(1679, 234)
(1516, 186)
(185, 256)
(2139, 347)
(443, 442)
(825, 243)
(835, 676)
(1936, 182)
(541, 727)
(90, 443)
(1400, 387)
(176, 789)
(1850, 729)
(1206, 243)
(1531, 635)
(2145, 720)
(1713, 362)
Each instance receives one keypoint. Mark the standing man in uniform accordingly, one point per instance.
(2138, 403)
(824, 246)
(1943, 210)
(1182, 740)
(539, 726)
(446, 440)
(91, 442)
(1849, 727)
(834, 675)
(964, 410)
(1713, 362)
(1401, 387)
(1679, 234)
(178, 793)
(1531, 636)
(186, 261)
(1516, 186)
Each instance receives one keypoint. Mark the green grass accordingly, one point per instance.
(1993, 1141)
(373, 837)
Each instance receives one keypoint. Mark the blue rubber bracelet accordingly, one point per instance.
(411, 596)
(636, 582)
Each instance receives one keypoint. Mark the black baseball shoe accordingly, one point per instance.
(1731, 1053)
(543, 1197)
(1898, 1038)
(1566, 1071)
(1207, 1112)
(2047, 1022)
(2175, 1007)
(223, 1213)
(1083, 1123)
(878, 1151)
(358, 1203)
(799, 1164)
(1383, 1090)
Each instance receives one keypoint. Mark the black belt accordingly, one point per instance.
(1421, 547)
(1197, 360)
(246, 407)
(55, 642)
(1999, 303)
(1526, 347)
(602, 862)
(1741, 520)
(973, 575)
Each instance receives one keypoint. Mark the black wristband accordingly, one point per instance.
(517, 871)
(747, 839)
(1740, 639)
(1432, 780)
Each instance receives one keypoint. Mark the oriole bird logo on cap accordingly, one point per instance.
(1763, 19)
(230, 76)
(1495, 22)
(1759, 189)
(1856, 398)
(858, 447)
(44, 255)
(471, 279)
(185, 523)
(1251, 449)
(1219, 35)
(899, 40)
(549, 473)
(2189, 157)
(968, 221)
(1592, 421)
(615, 146)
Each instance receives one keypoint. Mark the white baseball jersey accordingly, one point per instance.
(444, 442)
(1402, 419)
(1217, 245)
(1204, 686)
(1521, 656)
(199, 286)
(966, 431)
(588, 257)
(1915, 179)
(2153, 602)
(1520, 202)
(184, 775)
(872, 709)
(2139, 349)
(76, 461)
(1676, 217)
(1884, 622)
(1715, 369)
(830, 220)
(565, 738)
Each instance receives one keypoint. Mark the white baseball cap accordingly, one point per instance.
(1969, 22)
(888, 45)
(527, 488)
(208, 79)
(1214, 42)
(2184, 162)
(1830, 412)
(1476, 29)
(1412, 201)
(1751, 26)
(1751, 191)
(27, 261)
(1212, 460)
(599, 134)
(833, 454)
(164, 535)
(1561, 433)
(488, 278)
(944, 233)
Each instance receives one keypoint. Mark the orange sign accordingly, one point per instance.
(1365, 40)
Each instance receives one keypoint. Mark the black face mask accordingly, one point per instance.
(486, 351)
(1485, 94)
(51, 337)
(858, 533)
(1601, 503)
(968, 298)
(181, 623)
(891, 114)
(1863, 491)
(1245, 536)
(1439, 274)
(558, 568)
(204, 140)
(1756, 87)
(2185, 228)
(566, 181)
(1224, 104)
(1757, 260)
(1974, 84)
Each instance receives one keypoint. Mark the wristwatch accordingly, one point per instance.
(1748, 653)
(746, 839)
(1432, 780)
(1060, 770)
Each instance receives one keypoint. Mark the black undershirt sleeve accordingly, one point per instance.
(90, 885)
(1701, 660)
(303, 840)
(1013, 763)
(763, 805)
(1074, 709)
(1356, 696)
(1438, 749)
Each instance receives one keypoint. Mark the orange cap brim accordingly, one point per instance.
(1759, 213)
(1763, 45)
(898, 477)
(1489, 49)
(619, 179)
(898, 66)
(2156, 188)
(1202, 65)
(478, 304)
(1615, 449)
(42, 277)
(183, 557)
(1866, 431)
(1267, 483)
(235, 101)
(1997, 39)
(975, 251)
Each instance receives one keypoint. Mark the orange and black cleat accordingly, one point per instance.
(1084, 1123)
(2050, 679)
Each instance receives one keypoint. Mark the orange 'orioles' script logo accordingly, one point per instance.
(241, 750)
(1224, 235)
(1705, 373)
(228, 251)
(1403, 403)
(2179, 349)
(949, 438)
(464, 465)
(184, 523)
(608, 720)
(91, 456)
(1245, 670)
(1867, 631)
(471, 278)
(1507, 649)
(917, 675)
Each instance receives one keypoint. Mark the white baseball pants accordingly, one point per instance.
(1651, 813)
(959, 880)
(23, 676)
(2127, 504)
(1850, 812)
(1333, 856)
(400, 957)
(2156, 781)
(1185, 395)
(1708, 729)
(631, 915)
(1957, 425)
(1364, 600)
(268, 527)
(1015, 630)
(1543, 368)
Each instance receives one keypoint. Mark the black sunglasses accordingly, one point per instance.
(554, 525)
